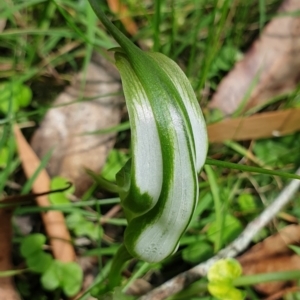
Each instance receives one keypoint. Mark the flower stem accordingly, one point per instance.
(119, 260)
(122, 40)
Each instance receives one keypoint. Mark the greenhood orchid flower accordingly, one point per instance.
(159, 186)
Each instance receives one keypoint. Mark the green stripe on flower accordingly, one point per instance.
(190, 102)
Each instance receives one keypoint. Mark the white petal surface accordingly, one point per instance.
(160, 238)
(147, 158)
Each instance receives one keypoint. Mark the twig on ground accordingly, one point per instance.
(112, 212)
(184, 279)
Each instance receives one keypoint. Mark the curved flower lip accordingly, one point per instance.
(167, 154)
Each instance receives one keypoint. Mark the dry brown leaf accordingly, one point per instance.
(274, 245)
(273, 255)
(54, 221)
(7, 288)
(273, 62)
(63, 126)
(264, 125)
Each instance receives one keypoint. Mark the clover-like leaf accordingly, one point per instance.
(225, 291)
(60, 197)
(51, 278)
(83, 227)
(71, 278)
(31, 244)
(39, 262)
(67, 276)
(15, 95)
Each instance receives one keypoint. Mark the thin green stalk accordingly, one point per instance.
(92, 216)
(118, 263)
(239, 29)
(97, 284)
(91, 29)
(6, 129)
(48, 12)
(251, 293)
(121, 39)
(289, 98)
(11, 166)
(156, 23)
(213, 43)
(33, 31)
(242, 105)
(98, 242)
(243, 151)
(173, 28)
(89, 192)
(262, 15)
(244, 168)
(8, 10)
(196, 29)
(108, 251)
(139, 273)
(218, 206)
(75, 28)
(43, 24)
(67, 206)
(266, 277)
(9, 142)
(11, 273)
